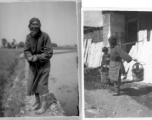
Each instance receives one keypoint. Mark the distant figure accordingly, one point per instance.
(105, 60)
(116, 56)
(38, 51)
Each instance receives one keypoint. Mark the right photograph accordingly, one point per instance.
(117, 58)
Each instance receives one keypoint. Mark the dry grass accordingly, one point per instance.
(11, 89)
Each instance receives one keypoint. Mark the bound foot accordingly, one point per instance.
(44, 106)
(36, 105)
(116, 94)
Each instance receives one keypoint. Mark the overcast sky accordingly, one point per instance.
(58, 19)
(93, 18)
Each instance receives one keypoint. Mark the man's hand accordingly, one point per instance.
(134, 59)
(30, 58)
(34, 58)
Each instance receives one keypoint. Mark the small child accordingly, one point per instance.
(105, 67)
(105, 60)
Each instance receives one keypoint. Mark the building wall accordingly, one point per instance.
(114, 24)
(106, 28)
(145, 20)
(117, 24)
(88, 35)
(96, 36)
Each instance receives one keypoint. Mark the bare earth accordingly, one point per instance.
(135, 99)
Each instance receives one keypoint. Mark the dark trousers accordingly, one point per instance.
(123, 69)
(118, 83)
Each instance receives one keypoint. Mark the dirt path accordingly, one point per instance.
(54, 110)
(135, 99)
(102, 103)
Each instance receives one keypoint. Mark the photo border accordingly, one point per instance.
(78, 22)
(82, 38)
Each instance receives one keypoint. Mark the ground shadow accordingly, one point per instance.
(142, 95)
(136, 91)
(126, 81)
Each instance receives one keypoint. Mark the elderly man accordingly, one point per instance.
(38, 51)
(116, 56)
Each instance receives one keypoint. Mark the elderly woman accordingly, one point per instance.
(116, 56)
(38, 51)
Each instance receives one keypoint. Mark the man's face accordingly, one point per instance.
(34, 27)
(113, 43)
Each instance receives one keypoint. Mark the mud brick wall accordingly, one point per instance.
(97, 36)
(106, 28)
(114, 24)
(88, 35)
(117, 25)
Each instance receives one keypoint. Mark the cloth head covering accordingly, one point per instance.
(32, 20)
(112, 41)
(104, 49)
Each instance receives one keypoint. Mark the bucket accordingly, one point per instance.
(105, 77)
(137, 72)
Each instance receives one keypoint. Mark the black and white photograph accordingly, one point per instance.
(117, 63)
(39, 60)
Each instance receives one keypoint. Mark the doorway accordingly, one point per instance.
(132, 34)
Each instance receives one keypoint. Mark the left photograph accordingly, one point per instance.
(39, 59)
